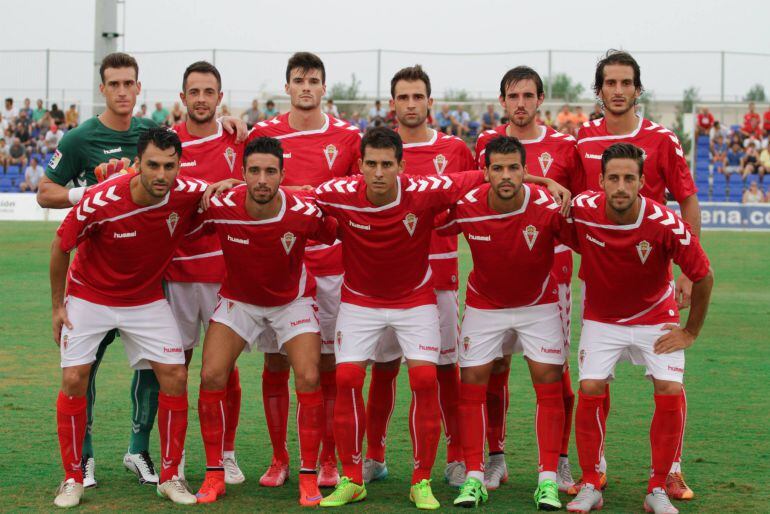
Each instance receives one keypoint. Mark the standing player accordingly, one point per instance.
(196, 272)
(262, 229)
(317, 147)
(126, 230)
(511, 229)
(627, 243)
(548, 154)
(618, 85)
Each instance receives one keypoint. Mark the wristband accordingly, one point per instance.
(76, 194)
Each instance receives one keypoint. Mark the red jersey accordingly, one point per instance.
(124, 248)
(766, 120)
(626, 267)
(311, 157)
(212, 158)
(747, 121)
(385, 250)
(265, 258)
(442, 154)
(664, 164)
(705, 121)
(512, 252)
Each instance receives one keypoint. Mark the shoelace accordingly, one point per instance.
(68, 487)
(565, 472)
(231, 465)
(584, 494)
(679, 480)
(145, 462)
(468, 488)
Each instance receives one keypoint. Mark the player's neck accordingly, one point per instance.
(378, 200)
(420, 134)
(621, 124)
(627, 217)
(264, 211)
(115, 121)
(526, 133)
(501, 206)
(306, 120)
(205, 129)
(139, 194)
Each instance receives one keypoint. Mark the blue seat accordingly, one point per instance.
(12, 169)
(6, 186)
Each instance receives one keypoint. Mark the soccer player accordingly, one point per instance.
(197, 269)
(263, 229)
(317, 147)
(511, 229)
(548, 154)
(627, 242)
(125, 230)
(618, 85)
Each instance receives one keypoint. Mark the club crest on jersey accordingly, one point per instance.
(64, 341)
(229, 306)
(581, 357)
(643, 249)
(339, 339)
(466, 343)
(410, 222)
(287, 241)
(530, 235)
(545, 161)
(230, 158)
(439, 162)
(171, 222)
(330, 152)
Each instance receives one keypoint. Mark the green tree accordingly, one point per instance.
(342, 91)
(565, 88)
(647, 100)
(456, 95)
(755, 94)
(689, 99)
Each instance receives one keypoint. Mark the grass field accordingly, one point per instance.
(727, 446)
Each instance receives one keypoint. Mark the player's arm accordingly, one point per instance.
(560, 193)
(235, 125)
(217, 189)
(682, 338)
(60, 263)
(445, 223)
(565, 231)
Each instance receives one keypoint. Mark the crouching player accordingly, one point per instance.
(263, 229)
(511, 228)
(627, 244)
(126, 230)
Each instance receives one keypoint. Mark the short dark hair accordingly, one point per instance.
(623, 151)
(505, 145)
(201, 67)
(519, 73)
(382, 138)
(268, 145)
(118, 60)
(305, 61)
(161, 138)
(410, 74)
(617, 57)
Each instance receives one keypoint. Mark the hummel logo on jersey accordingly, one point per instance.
(299, 322)
(287, 155)
(557, 351)
(410, 222)
(124, 235)
(358, 225)
(188, 164)
(530, 235)
(288, 241)
(474, 237)
(595, 241)
(545, 161)
(330, 152)
(166, 349)
(113, 150)
(171, 222)
(230, 158)
(593, 156)
(643, 249)
(439, 162)
(237, 240)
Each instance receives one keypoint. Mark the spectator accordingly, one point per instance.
(52, 137)
(225, 110)
(766, 122)
(142, 112)
(718, 130)
(23, 124)
(568, 128)
(597, 112)
(564, 116)
(719, 154)
(444, 119)
(753, 130)
(270, 110)
(579, 118)
(548, 120)
(734, 159)
(750, 163)
(490, 119)
(72, 117)
(57, 115)
(3, 153)
(10, 113)
(26, 109)
(764, 158)
(538, 118)
(177, 114)
(748, 117)
(160, 114)
(32, 176)
(754, 137)
(331, 109)
(358, 121)
(252, 115)
(378, 111)
(17, 153)
(462, 121)
(4, 125)
(705, 121)
(39, 112)
(753, 194)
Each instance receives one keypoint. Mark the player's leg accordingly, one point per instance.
(144, 407)
(275, 400)
(495, 468)
(564, 474)
(676, 486)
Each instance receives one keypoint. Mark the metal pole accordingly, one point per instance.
(47, 74)
(214, 56)
(550, 79)
(722, 88)
(379, 70)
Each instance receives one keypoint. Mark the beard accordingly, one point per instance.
(263, 201)
(201, 119)
(522, 123)
(147, 184)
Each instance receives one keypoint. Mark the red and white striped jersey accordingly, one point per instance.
(123, 248)
(665, 166)
(265, 258)
(625, 267)
(212, 158)
(442, 154)
(311, 157)
(385, 250)
(512, 252)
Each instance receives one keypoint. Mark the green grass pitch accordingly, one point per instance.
(727, 445)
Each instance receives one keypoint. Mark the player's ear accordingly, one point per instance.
(392, 104)
(430, 102)
(138, 87)
(101, 88)
(286, 88)
(219, 98)
(401, 165)
(360, 164)
(501, 99)
(182, 96)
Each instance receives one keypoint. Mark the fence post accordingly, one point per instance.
(722, 84)
(550, 79)
(379, 71)
(214, 56)
(47, 75)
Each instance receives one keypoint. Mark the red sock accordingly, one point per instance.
(350, 419)
(665, 430)
(275, 397)
(71, 425)
(473, 399)
(310, 427)
(379, 409)
(606, 405)
(497, 411)
(448, 397)
(549, 424)
(568, 398)
(329, 388)
(678, 456)
(172, 424)
(424, 422)
(233, 409)
(589, 435)
(212, 412)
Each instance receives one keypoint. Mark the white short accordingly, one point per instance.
(537, 330)
(603, 344)
(149, 333)
(565, 313)
(448, 305)
(359, 330)
(193, 304)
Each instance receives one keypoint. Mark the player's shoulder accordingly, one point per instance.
(228, 201)
(275, 126)
(586, 205)
(140, 124)
(558, 139)
(450, 143)
(82, 132)
(487, 135)
(541, 200)
(474, 202)
(301, 204)
(592, 128)
(339, 187)
(665, 220)
(106, 199)
(184, 187)
(343, 129)
(658, 132)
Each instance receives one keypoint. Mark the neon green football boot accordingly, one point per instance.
(422, 496)
(472, 493)
(346, 492)
(547, 495)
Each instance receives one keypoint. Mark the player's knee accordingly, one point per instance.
(306, 378)
(593, 387)
(501, 365)
(667, 387)
(422, 377)
(350, 376)
(74, 380)
(174, 380)
(213, 379)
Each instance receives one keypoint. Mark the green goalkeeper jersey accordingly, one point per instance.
(92, 143)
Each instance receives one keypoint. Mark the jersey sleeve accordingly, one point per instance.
(445, 223)
(76, 226)
(686, 251)
(675, 170)
(481, 143)
(198, 226)
(356, 147)
(469, 163)
(564, 231)
(325, 230)
(67, 162)
(442, 191)
(577, 175)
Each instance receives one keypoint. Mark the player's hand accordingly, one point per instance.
(216, 190)
(114, 168)
(60, 319)
(237, 126)
(683, 292)
(677, 338)
(562, 196)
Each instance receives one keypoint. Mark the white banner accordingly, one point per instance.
(24, 207)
